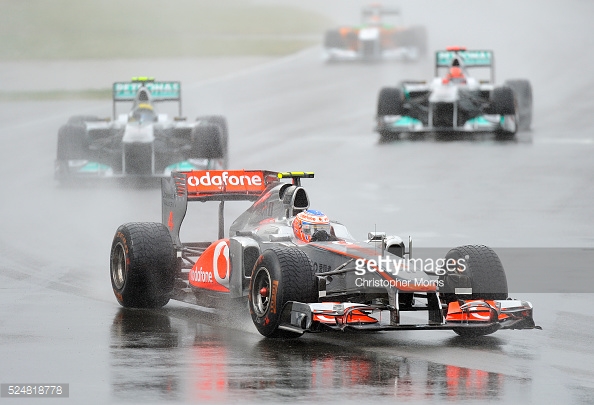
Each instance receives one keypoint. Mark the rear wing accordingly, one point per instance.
(466, 58)
(373, 14)
(214, 185)
(379, 11)
(159, 91)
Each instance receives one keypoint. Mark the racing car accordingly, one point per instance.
(456, 102)
(300, 271)
(374, 39)
(143, 143)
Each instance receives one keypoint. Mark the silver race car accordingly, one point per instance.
(143, 143)
(454, 101)
(299, 270)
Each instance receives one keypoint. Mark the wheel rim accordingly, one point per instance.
(261, 292)
(118, 267)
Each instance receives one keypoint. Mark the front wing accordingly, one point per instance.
(485, 123)
(339, 316)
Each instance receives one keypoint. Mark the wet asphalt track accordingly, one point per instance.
(60, 322)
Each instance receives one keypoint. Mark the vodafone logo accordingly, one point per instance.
(200, 276)
(220, 263)
(225, 178)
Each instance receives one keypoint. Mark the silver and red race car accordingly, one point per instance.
(143, 143)
(300, 271)
(456, 101)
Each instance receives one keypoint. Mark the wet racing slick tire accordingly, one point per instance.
(523, 91)
(481, 270)
(224, 128)
(390, 102)
(207, 142)
(281, 274)
(503, 101)
(476, 332)
(484, 273)
(143, 265)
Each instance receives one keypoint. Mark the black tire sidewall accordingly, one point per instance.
(295, 282)
(150, 265)
(268, 323)
(390, 102)
(485, 271)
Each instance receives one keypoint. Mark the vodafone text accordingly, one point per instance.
(224, 179)
(395, 266)
(200, 276)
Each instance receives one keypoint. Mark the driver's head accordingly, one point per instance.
(456, 72)
(309, 222)
(143, 113)
(455, 75)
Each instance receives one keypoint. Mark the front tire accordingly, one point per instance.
(280, 275)
(390, 102)
(476, 332)
(142, 265)
(483, 272)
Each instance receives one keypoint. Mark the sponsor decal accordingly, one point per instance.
(220, 263)
(273, 296)
(238, 181)
(124, 241)
(200, 276)
(320, 267)
(212, 269)
(128, 90)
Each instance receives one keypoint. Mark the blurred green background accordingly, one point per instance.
(106, 29)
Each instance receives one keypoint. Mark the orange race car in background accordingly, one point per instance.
(375, 39)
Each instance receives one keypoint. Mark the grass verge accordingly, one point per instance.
(81, 29)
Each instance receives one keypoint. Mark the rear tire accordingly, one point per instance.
(143, 265)
(280, 275)
(523, 92)
(221, 122)
(207, 142)
(503, 101)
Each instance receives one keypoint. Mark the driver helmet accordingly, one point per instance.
(143, 113)
(455, 75)
(306, 223)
